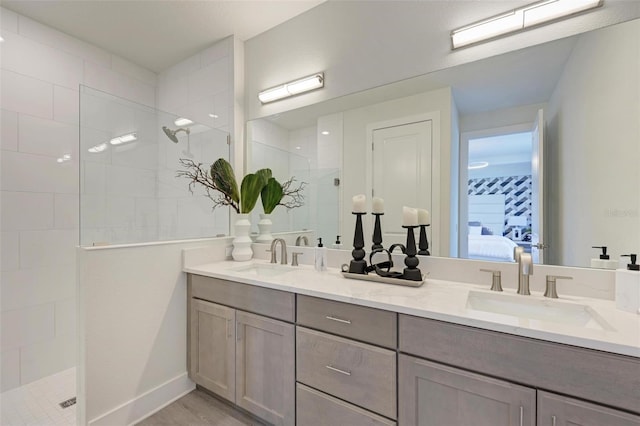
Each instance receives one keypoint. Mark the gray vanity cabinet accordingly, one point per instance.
(212, 347)
(265, 375)
(246, 358)
(558, 410)
(432, 394)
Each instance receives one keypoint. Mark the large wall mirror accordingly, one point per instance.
(535, 148)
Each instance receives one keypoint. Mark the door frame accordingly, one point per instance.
(463, 181)
(434, 117)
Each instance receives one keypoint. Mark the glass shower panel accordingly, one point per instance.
(129, 192)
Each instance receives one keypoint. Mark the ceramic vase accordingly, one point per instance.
(264, 226)
(242, 242)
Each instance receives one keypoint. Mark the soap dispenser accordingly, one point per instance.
(604, 262)
(628, 286)
(321, 256)
(338, 243)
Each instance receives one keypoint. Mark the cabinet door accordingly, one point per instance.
(212, 347)
(265, 368)
(431, 394)
(556, 410)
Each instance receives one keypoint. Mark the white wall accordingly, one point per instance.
(360, 45)
(592, 122)
(355, 153)
(41, 70)
(134, 305)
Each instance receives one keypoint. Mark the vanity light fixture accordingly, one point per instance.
(519, 19)
(478, 165)
(129, 137)
(291, 88)
(181, 122)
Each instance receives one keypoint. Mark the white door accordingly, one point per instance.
(537, 189)
(402, 175)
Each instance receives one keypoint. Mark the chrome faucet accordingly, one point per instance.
(525, 270)
(302, 238)
(283, 251)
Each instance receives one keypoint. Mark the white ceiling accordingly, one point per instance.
(157, 34)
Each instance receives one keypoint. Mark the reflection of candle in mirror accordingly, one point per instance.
(423, 217)
(378, 205)
(359, 204)
(409, 216)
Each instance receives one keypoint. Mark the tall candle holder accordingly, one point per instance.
(423, 244)
(358, 265)
(411, 272)
(377, 233)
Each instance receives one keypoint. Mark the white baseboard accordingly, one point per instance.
(144, 405)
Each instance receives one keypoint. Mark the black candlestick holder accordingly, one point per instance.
(377, 233)
(423, 244)
(358, 265)
(411, 272)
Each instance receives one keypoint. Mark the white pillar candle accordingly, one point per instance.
(378, 205)
(359, 204)
(423, 217)
(409, 216)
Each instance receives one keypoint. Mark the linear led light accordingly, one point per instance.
(519, 19)
(129, 137)
(291, 88)
(98, 148)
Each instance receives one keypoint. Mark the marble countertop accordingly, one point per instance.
(613, 330)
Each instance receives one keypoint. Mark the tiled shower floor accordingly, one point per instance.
(37, 404)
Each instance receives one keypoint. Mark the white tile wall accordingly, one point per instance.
(27, 326)
(42, 69)
(26, 210)
(9, 129)
(26, 94)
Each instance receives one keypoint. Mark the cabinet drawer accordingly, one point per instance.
(315, 408)
(357, 322)
(359, 373)
(557, 410)
(264, 301)
(585, 373)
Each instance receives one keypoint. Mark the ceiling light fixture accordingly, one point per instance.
(129, 137)
(181, 122)
(98, 148)
(212, 115)
(519, 19)
(325, 132)
(292, 88)
(478, 165)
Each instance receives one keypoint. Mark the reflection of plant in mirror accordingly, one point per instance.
(221, 187)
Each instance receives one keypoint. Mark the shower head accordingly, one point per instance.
(171, 134)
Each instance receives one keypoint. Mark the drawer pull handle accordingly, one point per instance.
(346, 373)
(553, 420)
(338, 319)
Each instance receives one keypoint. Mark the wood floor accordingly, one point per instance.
(198, 408)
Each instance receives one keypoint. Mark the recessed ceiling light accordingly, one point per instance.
(181, 121)
(1, 39)
(325, 132)
(212, 115)
(297, 147)
(478, 165)
(129, 137)
(98, 148)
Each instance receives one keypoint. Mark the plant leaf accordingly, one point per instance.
(225, 179)
(271, 195)
(250, 191)
(265, 175)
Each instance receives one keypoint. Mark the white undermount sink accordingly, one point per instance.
(532, 308)
(262, 269)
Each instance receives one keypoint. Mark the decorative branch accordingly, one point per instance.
(293, 195)
(202, 176)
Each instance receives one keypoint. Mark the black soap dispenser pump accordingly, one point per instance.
(604, 262)
(338, 243)
(632, 266)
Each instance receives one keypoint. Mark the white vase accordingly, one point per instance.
(242, 242)
(264, 226)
